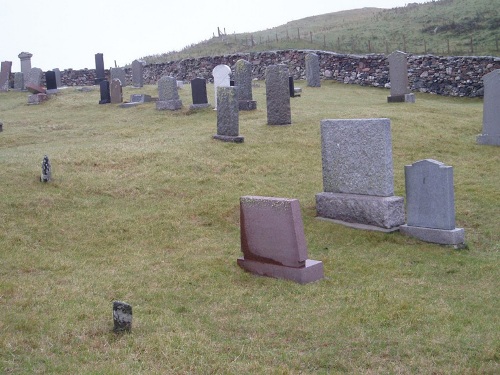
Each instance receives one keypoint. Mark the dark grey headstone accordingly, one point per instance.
(5, 75)
(18, 81)
(119, 73)
(278, 95)
(58, 77)
(99, 68)
(243, 82)
(122, 316)
(312, 70)
(116, 94)
(228, 115)
(199, 91)
(46, 170)
(137, 73)
(50, 80)
(1, 126)
(105, 94)
(491, 110)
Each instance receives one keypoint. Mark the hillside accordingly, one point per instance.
(444, 27)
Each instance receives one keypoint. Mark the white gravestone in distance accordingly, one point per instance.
(221, 78)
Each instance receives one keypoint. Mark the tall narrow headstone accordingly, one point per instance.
(491, 110)
(50, 81)
(34, 77)
(430, 203)
(243, 82)
(398, 75)
(228, 115)
(105, 94)
(116, 94)
(137, 73)
(358, 184)
(273, 241)
(168, 96)
(99, 68)
(199, 93)
(46, 175)
(312, 70)
(19, 81)
(119, 73)
(58, 77)
(122, 316)
(5, 75)
(278, 95)
(221, 78)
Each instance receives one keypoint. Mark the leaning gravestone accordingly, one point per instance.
(199, 93)
(50, 81)
(430, 203)
(137, 73)
(122, 316)
(398, 75)
(228, 115)
(99, 68)
(358, 182)
(105, 94)
(243, 82)
(168, 96)
(278, 95)
(119, 73)
(312, 70)
(19, 81)
(46, 175)
(5, 75)
(221, 78)
(273, 241)
(491, 110)
(116, 94)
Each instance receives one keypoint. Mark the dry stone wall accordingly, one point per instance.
(451, 76)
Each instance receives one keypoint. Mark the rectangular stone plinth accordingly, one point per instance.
(489, 140)
(383, 212)
(171, 105)
(440, 236)
(247, 105)
(229, 138)
(312, 271)
(199, 106)
(407, 98)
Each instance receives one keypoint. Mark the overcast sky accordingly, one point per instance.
(67, 34)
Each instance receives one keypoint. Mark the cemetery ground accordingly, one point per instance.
(144, 208)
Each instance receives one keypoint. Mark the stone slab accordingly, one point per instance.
(440, 236)
(140, 98)
(35, 89)
(384, 212)
(359, 226)
(247, 105)
(489, 140)
(37, 98)
(229, 138)
(130, 104)
(171, 105)
(311, 272)
(199, 106)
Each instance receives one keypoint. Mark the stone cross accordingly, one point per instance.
(137, 73)
(46, 170)
(278, 95)
(358, 176)
(122, 316)
(221, 78)
(228, 115)
(398, 75)
(243, 82)
(168, 96)
(491, 110)
(273, 241)
(312, 70)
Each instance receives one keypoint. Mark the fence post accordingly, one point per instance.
(404, 43)
(324, 42)
(369, 46)
(311, 35)
(471, 45)
(298, 33)
(448, 42)
(425, 47)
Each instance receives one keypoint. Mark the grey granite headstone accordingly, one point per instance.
(430, 203)
(358, 175)
(104, 90)
(243, 82)
(119, 73)
(168, 96)
(46, 175)
(491, 110)
(199, 93)
(398, 75)
(115, 89)
(122, 316)
(273, 241)
(228, 115)
(312, 70)
(221, 78)
(58, 77)
(34, 77)
(19, 81)
(99, 68)
(278, 95)
(5, 75)
(137, 73)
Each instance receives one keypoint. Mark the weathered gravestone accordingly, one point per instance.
(99, 68)
(105, 94)
(221, 78)
(358, 182)
(19, 81)
(46, 175)
(294, 92)
(25, 58)
(199, 93)
(228, 115)
(58, 77)
(398, 75)
(34, 77)
(119, 73)
(122, 316)
(137, 73)
(312, 70)
(168, 96)
(491, 110)
(116, 94)
(430, 203)
(278, 95)
(243, 82)
(50, 81)
(273, 241)
(5, 75)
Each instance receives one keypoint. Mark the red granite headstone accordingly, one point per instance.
(35, 89)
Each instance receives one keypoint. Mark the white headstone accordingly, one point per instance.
(221, 78)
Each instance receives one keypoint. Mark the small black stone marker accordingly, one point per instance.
(46, 173)
(1, 126)
(122, 316)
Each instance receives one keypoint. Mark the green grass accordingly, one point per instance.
(144, 207)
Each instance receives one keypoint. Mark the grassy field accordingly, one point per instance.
(144, 208)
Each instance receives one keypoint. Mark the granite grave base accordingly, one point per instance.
(37, 98)
(407, 98)
(229, 138)
(440, 236)
(488, 140)
(199, 106)
(171, 105)
(247, 105)
(312, 271)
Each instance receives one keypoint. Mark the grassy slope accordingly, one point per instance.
(441, 27)
(144, 207)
